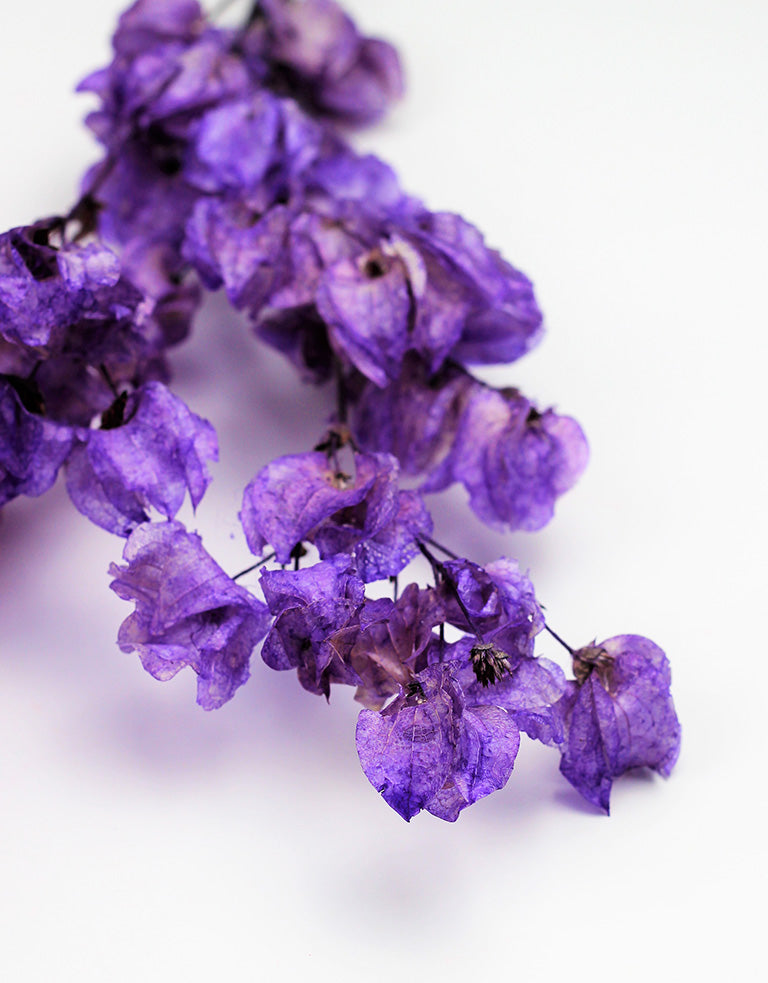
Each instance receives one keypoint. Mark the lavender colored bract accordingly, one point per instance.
(188, 612)
(618, 715)
(226, 167)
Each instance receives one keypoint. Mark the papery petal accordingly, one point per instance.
(366, 305)
(483, 761)
(620, 717)
(313, 607)
(292, 496)
(188, 611)
(32, 449)
(407, 750)
(152, 460)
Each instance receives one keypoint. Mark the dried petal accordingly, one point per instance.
(188, 612)
(620, 716)
(149, 461)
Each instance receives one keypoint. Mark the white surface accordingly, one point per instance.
(616, 153)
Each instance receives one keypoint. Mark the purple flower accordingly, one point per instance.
(306, 496)
(388, 547)
(169, 67)
(229, 248)
(496, 603)
(73, 319)
(260, 147)
(472, 305)
(618, 714)
(152, 23)
(149, 456)
(366, 306)
(32, 449)
(314, 610)
(172, 294)
(188, 612)
(44, 289)
(415, 417)
(319, 57)
(529, 689)
(391, 642)
(514, 461)
(429, 750)
(484, 756)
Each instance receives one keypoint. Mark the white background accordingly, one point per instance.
(615, 151)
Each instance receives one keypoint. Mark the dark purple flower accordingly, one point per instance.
(314, 610)
(32, 449)
(188, 612)
(618, 714)
(429, 750)
(319, 57)
(150, 453)
(496, 603)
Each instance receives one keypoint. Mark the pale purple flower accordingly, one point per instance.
(188, 611)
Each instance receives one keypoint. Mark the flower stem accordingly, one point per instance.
(559, 639)
(255, 566)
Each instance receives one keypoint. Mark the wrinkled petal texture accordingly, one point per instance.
(152, 460)
(42, 289)
(292, 496)
(514, 461)
(188, 612)
(484, 757)
(619, 718)
(32, 449)
(499, 600)
(313, 607)
(407, 750)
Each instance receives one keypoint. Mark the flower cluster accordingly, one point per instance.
(227, 165)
